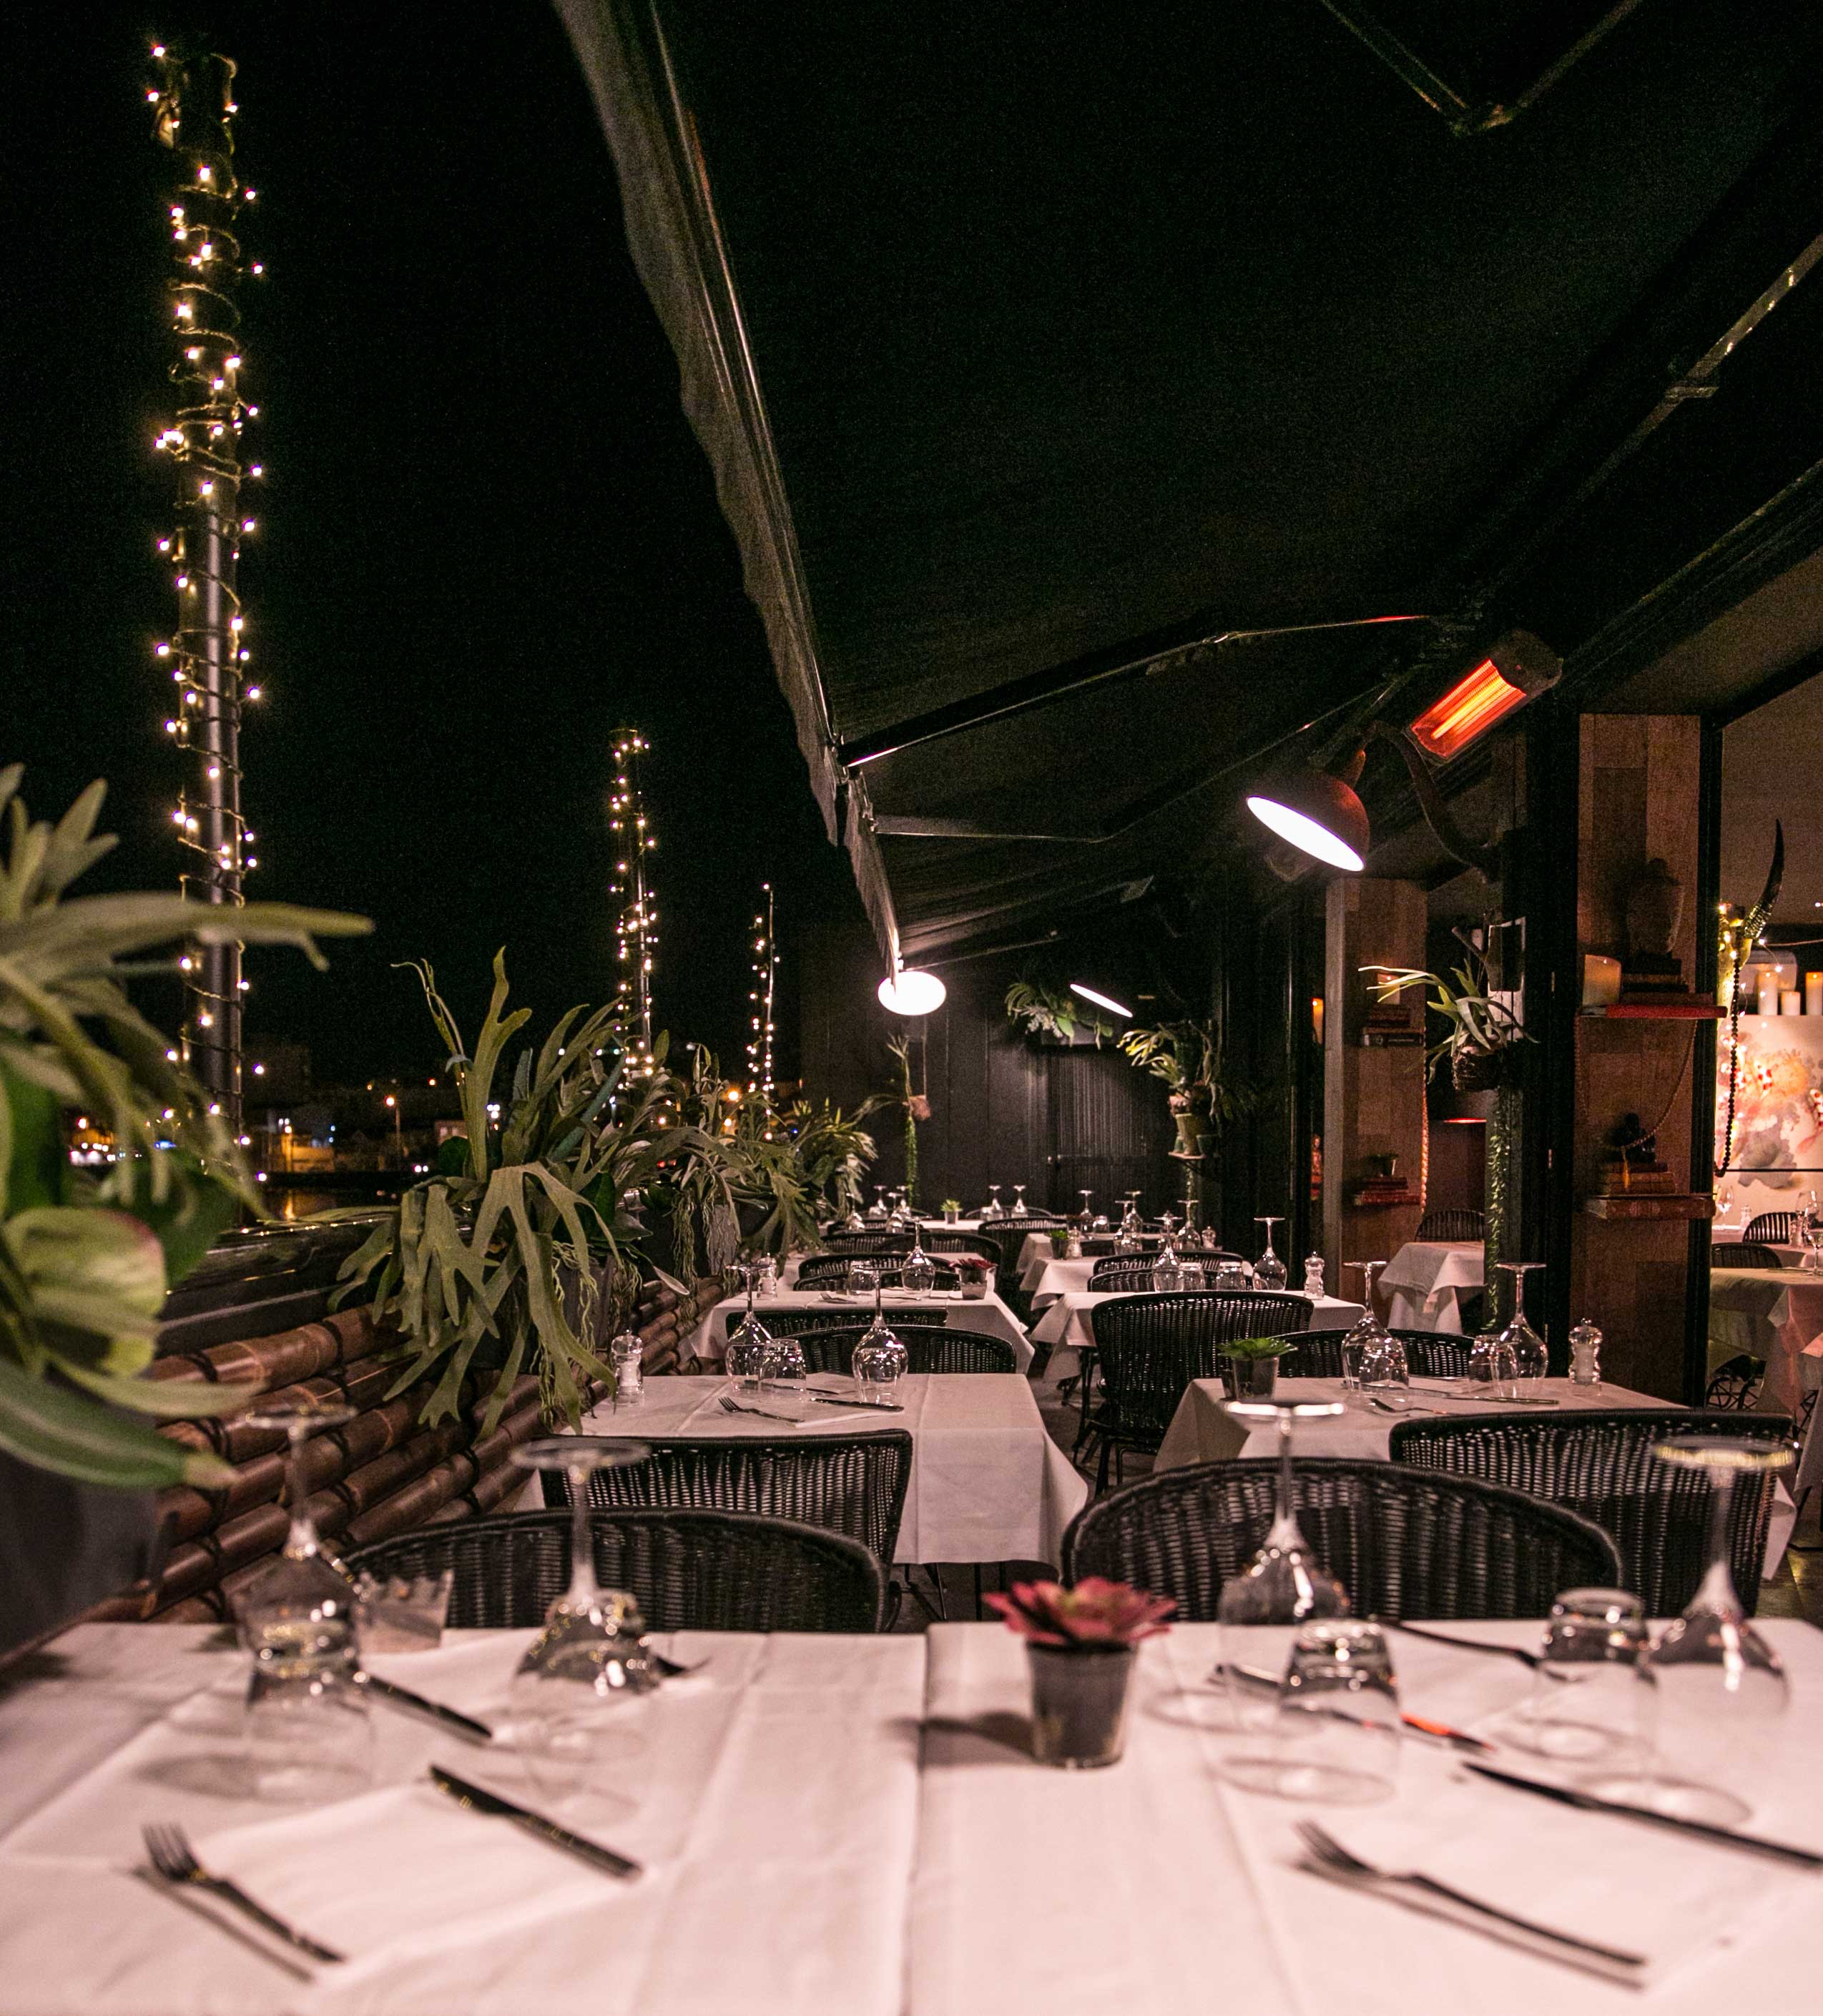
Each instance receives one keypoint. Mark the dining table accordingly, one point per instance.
(1068, 1325)
(987, 1483)
(1202, 1430)
(1424, 1282)
(835, 1826)
(1775, 1315)
(986, 1313)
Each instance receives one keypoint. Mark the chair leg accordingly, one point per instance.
(1101, 1467)
(978, 1611)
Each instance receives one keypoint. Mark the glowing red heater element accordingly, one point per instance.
(1472, 705)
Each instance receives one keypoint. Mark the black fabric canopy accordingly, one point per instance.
(1025, 339)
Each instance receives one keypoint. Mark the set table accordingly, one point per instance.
(1425, 1280)
(853, 1826)
(1774, 1316)
(1068, 1325)
(987, 1483)
(1202, 1430)
(986, 1313)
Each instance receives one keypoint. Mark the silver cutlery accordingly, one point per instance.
(766, 1414)
(1437, 1732)
(1588, 1802)
(484, 1801)
(1387, 1407)
(173, 1859)
(837, 1399)
(1331, 1855)
(1531, 1659)
(450, 1718)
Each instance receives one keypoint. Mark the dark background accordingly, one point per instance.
(487, 536)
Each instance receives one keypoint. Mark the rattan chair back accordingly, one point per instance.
(1451, 1224)
(1747, 1253)
(935, 1347)
(1149, 1348)
(831, 1270)
(937, 1240)
(1403, 1543)
(1600, 1464)
(1430, 1354)
(1773, 1227)
(688, 1571)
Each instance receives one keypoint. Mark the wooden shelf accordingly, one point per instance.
(1657, 1011)
(1360, 1201)
(1637, 1206)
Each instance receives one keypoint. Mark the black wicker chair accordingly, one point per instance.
(1601, 1466)
(1773, 1227)
(1149, 1347)
(1734, 1384)
(931, 1347)
(831, 1270)
(1430, 1353)
(866, 1245)
(941, 1240)
(1122, 1273)
(1450, 1224)
(1747, 1253)
(849, 1484)
(1403, 1543)
(806, 1322)
(687, 1571)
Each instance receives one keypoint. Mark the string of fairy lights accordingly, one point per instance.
(761, 1080)
(207, 654)
(636, 926)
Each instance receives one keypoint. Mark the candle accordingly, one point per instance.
(1814, 993)
(1790, 1001)
(1768, 991)
(1600, 980)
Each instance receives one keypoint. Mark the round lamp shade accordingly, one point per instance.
(1318, 814)
(911, 992)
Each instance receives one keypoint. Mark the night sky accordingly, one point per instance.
(488, 537)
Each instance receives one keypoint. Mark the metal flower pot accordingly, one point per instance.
(1249, 1378)
(1078, 1704)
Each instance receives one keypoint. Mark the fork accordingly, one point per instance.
(174, 1859)
(1531, 1660)
(1331, 1855)
(765, 1413)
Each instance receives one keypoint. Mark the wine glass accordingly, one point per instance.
(1168, 1268)
(1490, 1363)
(1530, 1359)
(748, 1354)
(1019, 1209)
(917, 1275)
(1370, 1333)
(878, 1358)
(993, 1208)
(308, 1734)
(1716, 1690)
(1585, 1695)
(568, 1702)
(1282, 1589)
(877, 1210)
(1270, 1272)
(1085, 1217)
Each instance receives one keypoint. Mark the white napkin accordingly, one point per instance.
(1670, 1898)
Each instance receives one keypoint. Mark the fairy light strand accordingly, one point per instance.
(207, 654)
(761, 1080)
(636, 925)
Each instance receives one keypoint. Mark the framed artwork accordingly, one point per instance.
(1776, 1157)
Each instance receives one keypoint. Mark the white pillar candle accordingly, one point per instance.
(1768, 1004)
(1814, 993)
(1600, 980)
(1790, 1001)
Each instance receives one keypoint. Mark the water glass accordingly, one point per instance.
(1587, 1696)
(863, 1277)
(1337, 1738)
(1491, 1363)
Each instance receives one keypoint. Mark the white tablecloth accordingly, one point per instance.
(789, 1764)
(1423, 1281)
(1201, 1431)
(1777, 1317)
(1184, 1894)
(986, 1313)
(987, 1484)
(1730, 1235)
(1068, 1325)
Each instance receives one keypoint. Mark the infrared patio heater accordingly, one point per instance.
(1318, 813)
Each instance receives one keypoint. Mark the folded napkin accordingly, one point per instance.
(1670, 1898)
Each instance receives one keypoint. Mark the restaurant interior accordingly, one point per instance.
(1277, 1456)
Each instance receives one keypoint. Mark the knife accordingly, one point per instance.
(465, 1795)
(450, 1718)
(1725, 1837)
(836, 1399)
(1457, 1739)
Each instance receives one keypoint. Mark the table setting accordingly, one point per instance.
(985, 1313)
(1068, 1325)
(1424, 1281)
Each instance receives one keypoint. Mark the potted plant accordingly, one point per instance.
(1187, 1055)
(88, 1255)
(1081, 1644)
(1481, 1032)
(972, 1270)
(1250, 1365)
(1060, 1243)
(952, 1210)
(1042, 1010)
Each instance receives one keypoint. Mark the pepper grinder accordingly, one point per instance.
(1585, 1355)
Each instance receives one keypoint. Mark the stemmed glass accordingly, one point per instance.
(307, 1729)
(1716, 1688)
(1270, 1271)
(749, 1354)
(877, 1210)
(917, 1275)
(993, 1208)
(1530, 1359)
(1368, 1334)
(1168, 1270)
(1283, 1587)
(878, 1358)
(1087, 1216)
(587, 1662)
(1019, 1207)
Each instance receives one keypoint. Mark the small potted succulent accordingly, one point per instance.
(1060, 1243)
(952, 1210)
(1081, 1644)
(972, 1270)
(1250, 1365)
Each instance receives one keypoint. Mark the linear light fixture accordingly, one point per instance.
(1100, 1000)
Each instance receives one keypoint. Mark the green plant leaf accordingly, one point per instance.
(51, 1428)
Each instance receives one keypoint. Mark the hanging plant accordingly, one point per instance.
(1042, 1010)
(917, 1107)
